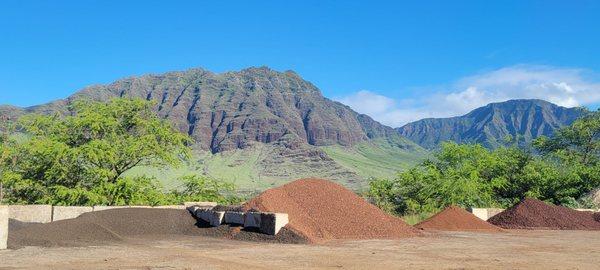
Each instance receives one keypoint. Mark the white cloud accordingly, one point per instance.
(563, 86)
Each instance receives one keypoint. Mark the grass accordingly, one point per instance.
(377, 158)
(416, 218)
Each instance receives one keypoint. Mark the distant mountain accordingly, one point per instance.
(275, 120)
(523, 120)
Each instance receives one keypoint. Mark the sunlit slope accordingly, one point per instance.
(264, 166)
(378, 158)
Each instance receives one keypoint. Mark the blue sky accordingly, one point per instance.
(397, 61)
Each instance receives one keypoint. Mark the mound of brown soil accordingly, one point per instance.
(322, 210)
(116, 225)
(535, 214)
(454, 218)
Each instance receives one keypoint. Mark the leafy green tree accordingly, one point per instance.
(574, 151)
(81, 158)
(473, 176)
(579, 142)
(101, 141)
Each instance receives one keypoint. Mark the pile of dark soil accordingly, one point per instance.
(454, 218)
(117, 225)
(535, 214)
(322, 210)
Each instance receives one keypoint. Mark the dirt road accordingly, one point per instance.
(514, 250)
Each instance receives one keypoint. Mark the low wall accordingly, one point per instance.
(479, 212)
(68, 212)
(3, 226)
(485, 213)
(31, 213)
(235, 218)
(268, 223)
(201, 204)
(47, 213)
(104, 207)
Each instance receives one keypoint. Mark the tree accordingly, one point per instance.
(81, 158)
(472, 176)
(578, 142)
(204, 188)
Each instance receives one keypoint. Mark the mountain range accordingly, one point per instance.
(496, 124)
(259, 128)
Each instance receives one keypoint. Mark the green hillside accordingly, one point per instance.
(377, 158)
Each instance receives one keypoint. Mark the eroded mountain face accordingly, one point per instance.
(235, 109)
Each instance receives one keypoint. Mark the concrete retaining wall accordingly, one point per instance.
(235, 218)
(68, 212)
(487, 213)
(201, 204)
(214, 218)
(170, 207)
(271, 223)
(479, 212)
(31, 213)
(104, 207)
(3, 226)
(252, 220)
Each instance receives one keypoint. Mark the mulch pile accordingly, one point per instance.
(597, 216)
(454, 218)
(321, 210)
(535, 214)
(118, 225)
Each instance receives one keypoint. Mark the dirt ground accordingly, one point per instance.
(456, 250)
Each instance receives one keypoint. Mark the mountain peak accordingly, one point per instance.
(231, 110)
(523, 119)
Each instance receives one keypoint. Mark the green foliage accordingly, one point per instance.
(203, 188)
(577, 143)
(567, 168)
(81, 159)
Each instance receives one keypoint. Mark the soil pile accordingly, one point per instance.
(322, 210)
(454, 218)
(117, 225)
(535, 214)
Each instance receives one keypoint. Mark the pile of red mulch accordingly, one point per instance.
(454, 218)
(322, 210)
(535, 214)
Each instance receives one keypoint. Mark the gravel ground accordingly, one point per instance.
(449, 250)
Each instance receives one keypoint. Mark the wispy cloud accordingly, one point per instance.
(567, 87)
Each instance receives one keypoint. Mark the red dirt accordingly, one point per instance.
(322, 210)
(597, 216)
(535, 214)
(454, 218)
